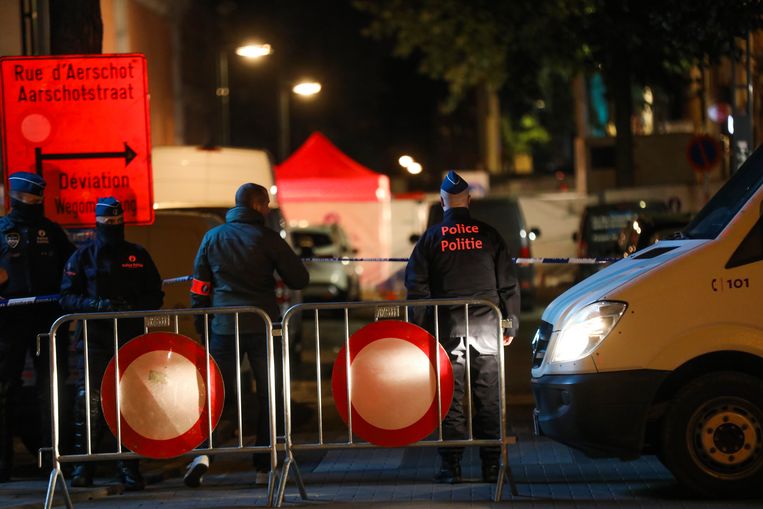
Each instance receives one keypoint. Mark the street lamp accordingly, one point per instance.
(256, 51)
(414, 168)
(250, 51)
(410, 165)
(305, 89)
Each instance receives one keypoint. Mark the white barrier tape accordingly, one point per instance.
(24, 301)
(41, 299)
(524, 261)
(181, 279)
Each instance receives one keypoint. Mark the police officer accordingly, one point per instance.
(235, 266)
(104, 275)
(33, 251)
(463, 257)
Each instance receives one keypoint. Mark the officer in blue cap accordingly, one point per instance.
(453, 184)
(104, 275)
(462, 257)
(33, 250)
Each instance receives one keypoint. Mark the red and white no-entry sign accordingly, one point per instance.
(82, 122)
(163, 395)
(394, 383)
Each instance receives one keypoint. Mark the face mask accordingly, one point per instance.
(110, 233)
(27, 211)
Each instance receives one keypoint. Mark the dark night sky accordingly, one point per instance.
(373, 106)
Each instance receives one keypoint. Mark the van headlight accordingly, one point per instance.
(584, 330)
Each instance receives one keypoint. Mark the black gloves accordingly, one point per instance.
(99, 305)
(102, 305)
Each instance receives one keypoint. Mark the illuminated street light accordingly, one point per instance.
(405, 161)
(414, 168)
(254, 51)
(410, 165)
(306, 88)
(249, 51)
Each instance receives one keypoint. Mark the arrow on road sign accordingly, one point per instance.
(128, 154)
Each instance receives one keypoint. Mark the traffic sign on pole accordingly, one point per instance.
(393, 383)
(82, 122)
(703, 153)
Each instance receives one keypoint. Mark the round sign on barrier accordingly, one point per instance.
(163, 394)
(394, 383)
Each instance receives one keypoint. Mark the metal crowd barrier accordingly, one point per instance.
(159, 320)
(389, 309)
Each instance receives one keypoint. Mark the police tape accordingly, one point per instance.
(25, 301)
(521, 261)
(174, 280)
(42, 299)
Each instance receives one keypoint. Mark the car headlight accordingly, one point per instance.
(584, 330)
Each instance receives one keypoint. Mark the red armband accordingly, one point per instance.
(201, 287)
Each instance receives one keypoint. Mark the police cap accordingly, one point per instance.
(453, 183)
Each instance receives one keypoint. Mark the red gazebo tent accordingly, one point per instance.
(319, 184)
(319, 171)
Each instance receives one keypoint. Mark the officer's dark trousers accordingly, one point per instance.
(223, 349)
(486, 412)
(100, 353)
(18, 335)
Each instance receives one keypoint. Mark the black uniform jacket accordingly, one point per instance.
(463, 257)
(122, 272)
(34, 253)
(235, 266)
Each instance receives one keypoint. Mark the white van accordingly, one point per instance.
(662, 352)
(198, 177)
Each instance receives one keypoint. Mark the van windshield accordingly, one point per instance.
(713, 218)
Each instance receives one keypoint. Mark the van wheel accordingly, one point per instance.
(712, 436)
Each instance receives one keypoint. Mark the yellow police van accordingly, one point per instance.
(662, 352)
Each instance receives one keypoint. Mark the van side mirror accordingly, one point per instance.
(536, 232)
(574, 237)
(414, 238)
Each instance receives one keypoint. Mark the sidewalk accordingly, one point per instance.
(547, 475)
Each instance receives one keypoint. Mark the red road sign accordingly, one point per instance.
(82, 122)
(703, 152)
(394, 383)
(164, 395)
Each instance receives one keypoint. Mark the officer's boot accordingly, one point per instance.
(83, 472)
(450, 469)
(129, 475)
(6, 431)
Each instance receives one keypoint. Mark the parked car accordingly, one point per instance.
(600, 227)
(329, 281)
(504, 214)
(648, 228)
